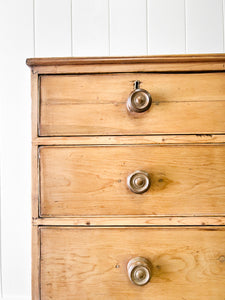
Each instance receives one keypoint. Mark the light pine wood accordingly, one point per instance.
(182, 103)
(34, 158)
(124, 68)
(132, 221)
(79, 263)
(36, 263)
(132, 140)
(35, 104)
(186, 180)
(35, 182)
(108, 88)
(156, 59)
(82, 181)
(167, 63)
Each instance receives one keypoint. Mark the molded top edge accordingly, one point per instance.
(184, 58)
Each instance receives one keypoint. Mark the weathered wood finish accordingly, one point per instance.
(124, 68)
(185, 180)
(78, 263)
(156, 59)
(36, 284)
(167, 63)
(132, 221)
(182, 103)
(132, 140)
(84, 234)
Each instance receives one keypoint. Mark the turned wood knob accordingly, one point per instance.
(139, 270)
(139, 100)
(138, 182)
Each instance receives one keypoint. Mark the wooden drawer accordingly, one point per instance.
(91, 263)
(96, 104)
(92, 180)
(121, 196)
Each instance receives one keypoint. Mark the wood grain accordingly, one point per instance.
(132, 140)
(186, 180)
(78, 263)
(157, 59)
(34, 158)
(123, 68)
(84, 216)
(182, 103)
(35, 182)
(132, 221)
(35, 104)
(36, 263)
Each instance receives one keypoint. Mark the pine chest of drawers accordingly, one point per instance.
(128, 196)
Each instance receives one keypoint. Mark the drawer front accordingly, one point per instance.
(91, 263)
(96, 104)
(95, 180)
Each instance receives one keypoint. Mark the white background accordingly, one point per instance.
(50, 28)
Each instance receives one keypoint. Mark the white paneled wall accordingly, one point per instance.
(166, 26)
(16, 32)
(90, 27)
(128, 27)
(79, 28)
(205, 26)
(52, 27)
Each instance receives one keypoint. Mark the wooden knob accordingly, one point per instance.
(139, 270)
(139, 182)
(139, 100)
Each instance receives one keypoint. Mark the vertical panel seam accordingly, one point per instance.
(223, 24)
(109, 36)
(185, 25)
(147, 24)
(71, 26)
